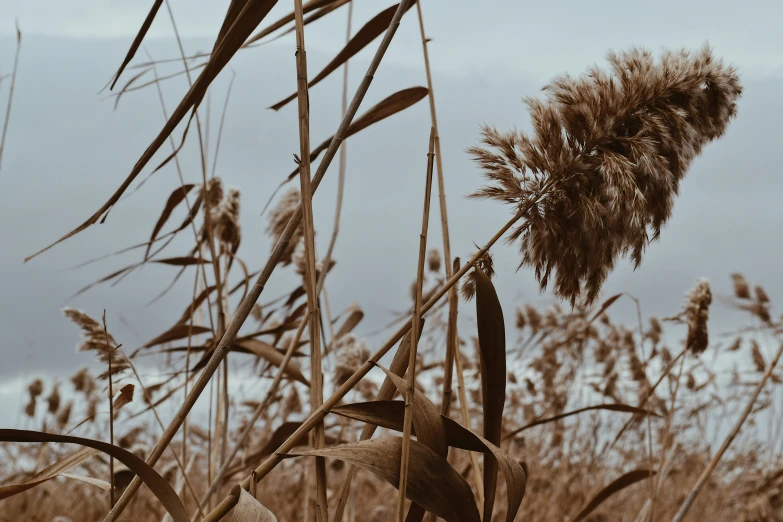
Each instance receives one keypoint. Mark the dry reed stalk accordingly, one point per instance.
(444, 219)
(11, 92)
(340, 176)
(256, 414)
(694, 492)
(316, 377)
(415, 333)
(247, 303)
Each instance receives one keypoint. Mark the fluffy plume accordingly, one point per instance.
(83, 382)
(225, 220)
(214, 192)
(94, 340)
(433, 260)
(605, 161)
(741, 288)
(53, 400)
(36, 388)
(761, 295)
(64, 415)
(758, 358)
(350, 355)
(696, 312)
(278, 219)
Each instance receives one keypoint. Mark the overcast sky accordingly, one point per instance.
(67, 151)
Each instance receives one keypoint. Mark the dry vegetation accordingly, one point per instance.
(573, 417)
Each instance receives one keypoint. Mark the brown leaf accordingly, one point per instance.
(609, 302)
(279, 436)
(390, 415)
(125, 397)
(389, 106)
(492, 347)
(249, 509)
(183, 261)
(58, 468)
(252, 14)
(176, 197)
(369, 32)
(323, 11)
(625, 408)
(273, 355)
(192, 307)
(178, 331)
(159, 487)
(287, 19)
(137, 41)
(350, 323)
(432, 482)
(628, 479)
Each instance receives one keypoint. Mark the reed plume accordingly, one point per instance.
(605, 161)
(94, 340)
(278, 219)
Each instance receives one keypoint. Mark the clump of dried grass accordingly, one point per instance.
(605, 161)
(696, 314)
(225, 220)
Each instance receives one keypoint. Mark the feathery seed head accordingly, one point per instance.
(278, 219)
(741, 287)
(94, 339)
(433, 260)
(35, 388)
(598, 177)
(350, 354)
(696, 312)
(225, 219)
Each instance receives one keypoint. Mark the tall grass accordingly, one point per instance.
(573, 417)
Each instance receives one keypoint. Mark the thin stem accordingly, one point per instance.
(316, 378)
(341, 172)
(444, 219)
(11, 92)
(691, 498)
(415, 333)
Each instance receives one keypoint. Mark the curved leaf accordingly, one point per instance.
(628, 479)
(178, 331)
(176, 197)
(159, 487)
(273, 355)
(249, 509)
(390, 415)
(492, 347)
(432, 482)
(363, 37)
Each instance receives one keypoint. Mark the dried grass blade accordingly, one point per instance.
(176, 197)
(389, 414)
(492, 347)
(58, 468)
(628, 479)
(249, 509)
(625, 408)
(369, 32)
(178, 331)
(273, 355)
(397, 102)
(137, 41)
(287, 19)
(159, 487)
